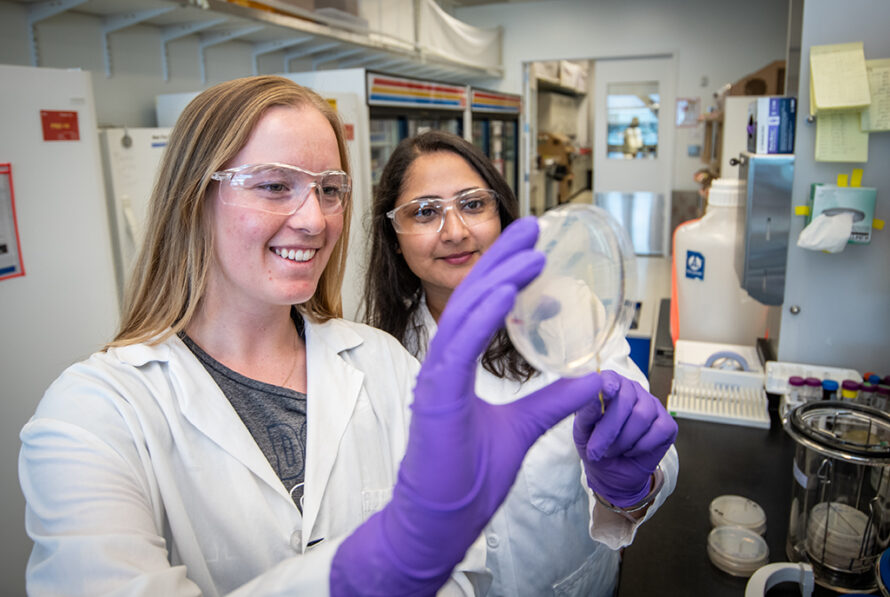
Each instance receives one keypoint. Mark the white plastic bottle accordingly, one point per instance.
(711, 304)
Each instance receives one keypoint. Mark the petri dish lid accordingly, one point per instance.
(584, 296)
(735, 510)
(737, 550)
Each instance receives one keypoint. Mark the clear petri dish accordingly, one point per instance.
(584, 295)
(736, 550)
(837, 537)
(735, 510)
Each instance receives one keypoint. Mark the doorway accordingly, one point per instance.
(581, 120)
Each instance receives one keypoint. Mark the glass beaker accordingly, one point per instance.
(840, 508)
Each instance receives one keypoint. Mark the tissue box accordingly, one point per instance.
(832, 199)
(771, 124)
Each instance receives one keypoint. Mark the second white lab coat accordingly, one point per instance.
(551, 537)
(141, 479)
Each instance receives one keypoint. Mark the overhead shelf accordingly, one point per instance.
(315, 38)
(557, 87)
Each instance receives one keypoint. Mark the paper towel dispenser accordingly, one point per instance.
(764, 224)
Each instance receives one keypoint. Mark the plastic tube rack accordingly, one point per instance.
(720, 403)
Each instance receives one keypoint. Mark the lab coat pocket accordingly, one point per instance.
(373, 500)
(552, 470)
(597, 575)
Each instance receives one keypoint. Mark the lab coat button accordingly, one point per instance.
(492, 541)
(296, 541)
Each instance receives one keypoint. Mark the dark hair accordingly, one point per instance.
(392, 291)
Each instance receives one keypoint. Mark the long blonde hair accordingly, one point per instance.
(170, 273)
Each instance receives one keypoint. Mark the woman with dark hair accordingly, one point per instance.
(439, 207)
(237, 436)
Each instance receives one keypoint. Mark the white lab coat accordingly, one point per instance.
(540, 540)
(141, 479)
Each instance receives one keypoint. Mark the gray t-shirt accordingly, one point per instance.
(275, 417)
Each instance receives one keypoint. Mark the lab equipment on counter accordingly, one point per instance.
(711, 304)
(715, 382)
(850, 389)
(829, 389)
(779, 374)
(583, 296)
(737, 511)
(882, 573)
(840, 509)
(737, 550)
(771, 575)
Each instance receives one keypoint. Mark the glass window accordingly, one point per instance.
(632, 118)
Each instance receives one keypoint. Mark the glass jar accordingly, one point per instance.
(840, 509)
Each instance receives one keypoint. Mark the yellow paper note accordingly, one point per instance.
(838, 77)
(838, 138)
(877, 116)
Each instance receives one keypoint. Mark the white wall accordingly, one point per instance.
(722, 40)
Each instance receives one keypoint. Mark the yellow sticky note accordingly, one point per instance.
(841, 180)
(856, 178)
(802, 210)
(839, 139)
(838, 77)
(877, 224)
(877, 116)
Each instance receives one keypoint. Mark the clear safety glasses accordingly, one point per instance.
(282, 189)
(426, 215)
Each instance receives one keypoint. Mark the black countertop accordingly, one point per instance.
(669, 554)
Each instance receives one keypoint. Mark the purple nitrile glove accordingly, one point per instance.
(463, 454)
(621, 447)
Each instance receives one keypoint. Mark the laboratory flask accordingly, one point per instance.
(712, 306)
(840, 507)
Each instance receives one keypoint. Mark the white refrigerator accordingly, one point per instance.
(130, 157)
(65, 305)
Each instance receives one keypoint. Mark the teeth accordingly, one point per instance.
(296, 254)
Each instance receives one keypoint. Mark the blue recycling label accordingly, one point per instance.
(695, 265)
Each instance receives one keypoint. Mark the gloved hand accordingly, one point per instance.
(621, 447)
(463, 454)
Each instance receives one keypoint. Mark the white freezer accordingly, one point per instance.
(131, 158)
(65, 306)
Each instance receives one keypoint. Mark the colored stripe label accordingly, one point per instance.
(495, 102)
(384, 90)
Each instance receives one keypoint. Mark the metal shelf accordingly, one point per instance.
(270, 26)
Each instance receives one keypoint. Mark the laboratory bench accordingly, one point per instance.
(669, 554)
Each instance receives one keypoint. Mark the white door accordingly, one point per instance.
(633, 146)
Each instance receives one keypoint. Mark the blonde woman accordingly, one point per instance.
(237, 436)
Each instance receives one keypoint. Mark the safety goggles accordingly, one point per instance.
(283, 189)
(426, 215)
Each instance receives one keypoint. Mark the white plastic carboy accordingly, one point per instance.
(711, 304)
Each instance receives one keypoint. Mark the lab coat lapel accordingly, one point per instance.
(207, 408)
(333, 389)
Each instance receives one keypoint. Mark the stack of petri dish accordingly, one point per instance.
(835, 536)
(735, 545)
(735, 510)
(737, 550)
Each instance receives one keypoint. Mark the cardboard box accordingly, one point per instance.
(771, 124)
(302, 4)
(347, 6)
(547, 70)
(573, 76)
